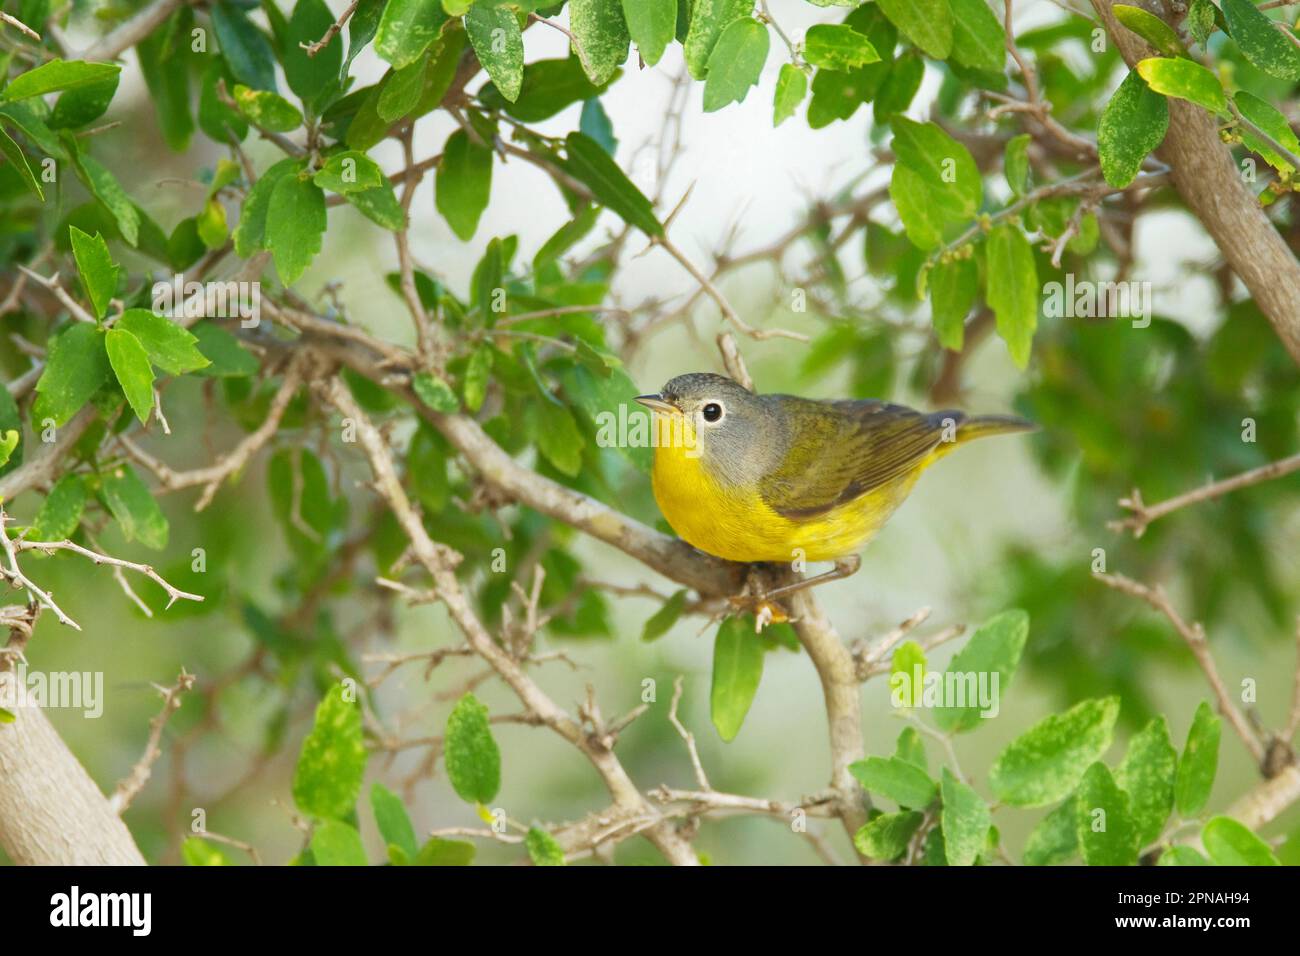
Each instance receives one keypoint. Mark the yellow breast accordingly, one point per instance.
(740, 526)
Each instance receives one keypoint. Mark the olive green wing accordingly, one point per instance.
(844, 450)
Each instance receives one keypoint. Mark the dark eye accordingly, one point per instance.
(712, 412)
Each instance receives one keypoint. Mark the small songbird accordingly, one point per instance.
(776, 478)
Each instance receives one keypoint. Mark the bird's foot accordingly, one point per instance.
(755, 600)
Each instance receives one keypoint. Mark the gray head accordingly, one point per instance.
(735, 428)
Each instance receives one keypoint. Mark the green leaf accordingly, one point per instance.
(197, 852)
(350, 171)
(244, 47)
(907, 674)
(1151, 28)
(473, 761)
(380, 206)
(587, 162)
(60, 512)
(953, 286)
(595, 122)
(312, 78)
(736, 63)
(105, 187)
(1015, 162)
(335, 843)
(406, 30)
(8, 442)
(737, 670)
(945, 166)
(436, 393)
(210, 225)
(464, 183)
(1108, 835)
(56, 75)
(1186, 80)
(927, 23)
(392, 820)
(965, 820)
(475, 381)
(1013, 289)
(134, 373)
(1147, 776)
(558, 437)
(543, 849)
(836, 46)
(886, 837)
(1056, 837)
(978, 38)
(440, 852)
(910, 747)
(170, 347)
(75, 367)
(1182, 856)
(228, 358)
(923, 219)
(216, 119)
(994, 649)
(85, 104)
(165, 60)
(14, 155)
(267, 110)
(1199, 763)
(402, 91)
(332, 764)
(659, 623)
(791, 88)
(95, 265)
(899, 87)
(1044, 764)
(1131, 126)
(709, 18)
(134, 507)
(494, 34)
(651, 24)
(295, 223)
(896, 779)
(1230, 843)
(600, 35)
(1260, 41)
(250, 234)
(1200, 20)
(549, 87)
(1272, 122)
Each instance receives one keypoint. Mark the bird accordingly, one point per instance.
(781, 479)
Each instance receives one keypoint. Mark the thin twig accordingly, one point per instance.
(135, 781)
(1144, 514)
(1193, 634)
(333, 31)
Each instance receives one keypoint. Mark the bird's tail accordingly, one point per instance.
(969, 427)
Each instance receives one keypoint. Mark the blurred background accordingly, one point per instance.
(1012, 522)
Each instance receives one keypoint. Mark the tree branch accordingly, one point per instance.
(1211, 186)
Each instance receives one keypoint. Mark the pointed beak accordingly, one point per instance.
(658, 404)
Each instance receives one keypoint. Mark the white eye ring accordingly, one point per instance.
(713, 412)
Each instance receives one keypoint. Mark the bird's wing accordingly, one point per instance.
(846, 449)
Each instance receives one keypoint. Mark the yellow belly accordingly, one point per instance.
(741, 527)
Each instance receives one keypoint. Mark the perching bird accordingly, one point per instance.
(776, 478)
